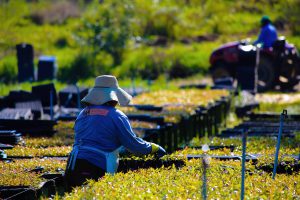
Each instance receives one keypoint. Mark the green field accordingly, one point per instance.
(133, 38)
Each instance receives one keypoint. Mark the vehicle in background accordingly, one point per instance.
(278, 65)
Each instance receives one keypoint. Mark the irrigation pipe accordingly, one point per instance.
(282, 116)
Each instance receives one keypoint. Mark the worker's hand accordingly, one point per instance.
(161, 152)
(158, 150)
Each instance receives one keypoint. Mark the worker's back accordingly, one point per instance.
(269, 35)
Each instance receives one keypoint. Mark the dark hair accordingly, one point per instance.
(265, 20)
(112, 103)
(109, 103)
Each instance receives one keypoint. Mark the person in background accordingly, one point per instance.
(100, 131)
(268, 33)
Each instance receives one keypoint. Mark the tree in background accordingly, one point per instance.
(106, 28)
(291, 10)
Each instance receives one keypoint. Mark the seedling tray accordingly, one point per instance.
(9, 137)
(17, 192)
(223, 158)
(46, 188)
(126, 165)
(198, 86)
(29, 157)
(282, 168)
(30, 127)
(231, 147)
(269, 124)
(271, 116)
(147, 118)
(238, 135)
(148, 108)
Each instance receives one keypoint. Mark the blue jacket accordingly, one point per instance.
(267, 36)
(106, 128)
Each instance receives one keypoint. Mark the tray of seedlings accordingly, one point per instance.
(177, 175)
(199, 112)
(217, 179)
(170, 123)
(260, 151)
(27, 178)
(59, 145)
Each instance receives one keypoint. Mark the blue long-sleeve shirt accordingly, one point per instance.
(106, 128)
(267, 36)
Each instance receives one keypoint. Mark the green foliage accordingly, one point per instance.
(112, 37)
(291, 13)
(105, 28)
(80, 68)
(174, 61)
(8, 70)
(185, 183)
(5, 89)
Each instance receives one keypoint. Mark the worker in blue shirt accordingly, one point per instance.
(268, 34)
(100, 131)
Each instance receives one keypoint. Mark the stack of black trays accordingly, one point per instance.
(68, 96)
(6, 146)
(2, 154)
(35, 107)
(10, 137)
(16, 113)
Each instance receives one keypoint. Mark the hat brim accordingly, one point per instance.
(99, 96)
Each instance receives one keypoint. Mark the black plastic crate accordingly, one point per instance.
(9, 137)
(8, 132)
(6, 146)
(30, 127)
(68, 97)
(46, 68)
(17, 96)
(246, 77)
(43, 93)
(25, 62)
(35, 107)
(16, 113)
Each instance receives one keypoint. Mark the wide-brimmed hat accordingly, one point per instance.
(106, 89)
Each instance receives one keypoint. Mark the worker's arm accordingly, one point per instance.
(133, 143)
(263, 36)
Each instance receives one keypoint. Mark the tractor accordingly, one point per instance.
(278, 65)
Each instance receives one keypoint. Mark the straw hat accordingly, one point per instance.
(106, 88)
